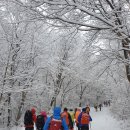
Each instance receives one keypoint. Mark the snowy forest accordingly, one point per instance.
(63, 52)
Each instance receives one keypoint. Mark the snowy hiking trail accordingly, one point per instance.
(102, 120)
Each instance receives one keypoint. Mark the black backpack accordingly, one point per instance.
(40, 122)
(28, 120)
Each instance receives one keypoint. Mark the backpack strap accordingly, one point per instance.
(53, 116)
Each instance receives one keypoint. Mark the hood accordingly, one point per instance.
(33, 110)
(57, 111)
(43, 113)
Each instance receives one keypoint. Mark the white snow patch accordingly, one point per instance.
(103, 120)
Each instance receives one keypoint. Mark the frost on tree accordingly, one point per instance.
(105, 16)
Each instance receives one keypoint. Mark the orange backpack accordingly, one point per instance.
(85, 119)
(65, 115)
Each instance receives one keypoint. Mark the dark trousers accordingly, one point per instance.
(84, 127)
(78, 126)
(32, 128)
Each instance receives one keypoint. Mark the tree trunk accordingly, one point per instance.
(80, 98)
(9, 109)
(20, 107)
(125, 44)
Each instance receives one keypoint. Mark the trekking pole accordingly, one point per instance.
(90, 126)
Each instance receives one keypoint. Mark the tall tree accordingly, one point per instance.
(103, 16)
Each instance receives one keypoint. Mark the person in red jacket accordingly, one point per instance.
(33, 110)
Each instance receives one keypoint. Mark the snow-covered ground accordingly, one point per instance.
(102, 120)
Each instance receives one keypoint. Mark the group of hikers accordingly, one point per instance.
(100, 105)
(58, 120)
(107, 103)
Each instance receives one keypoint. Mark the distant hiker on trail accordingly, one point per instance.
(29, 119)
(96, 107)
(109, 102)
(41, 119)
(100, 106)
(106, 103)
(68, 119)
(84, 119)
(55, 122)
(76, 117)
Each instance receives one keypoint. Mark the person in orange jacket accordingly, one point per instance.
(65, 114)
(78, 111)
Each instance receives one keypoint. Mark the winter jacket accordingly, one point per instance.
(34, 114)
(56, 115)
(66, 116)
(72, 115)
(76, 116)
(79, 119)
(68, 119)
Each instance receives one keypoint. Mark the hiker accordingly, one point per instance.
(75, 112)
(109, 102)
(96, 107)
(106, 103)
(100, 106)
(84, 119)
(71, 112)
(33, 110)
(41, 119)
(29, 119)
(55, 122)
(68, 119)
(76, 117)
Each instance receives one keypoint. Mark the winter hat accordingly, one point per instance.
(84, 110)
(43, 113)
(65, 109)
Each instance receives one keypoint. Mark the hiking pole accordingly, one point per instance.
(90, 126)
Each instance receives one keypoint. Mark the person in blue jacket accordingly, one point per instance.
(84, 119)
(57, 116)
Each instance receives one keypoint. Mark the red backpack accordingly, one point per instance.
(55, 124)
(85, 119)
